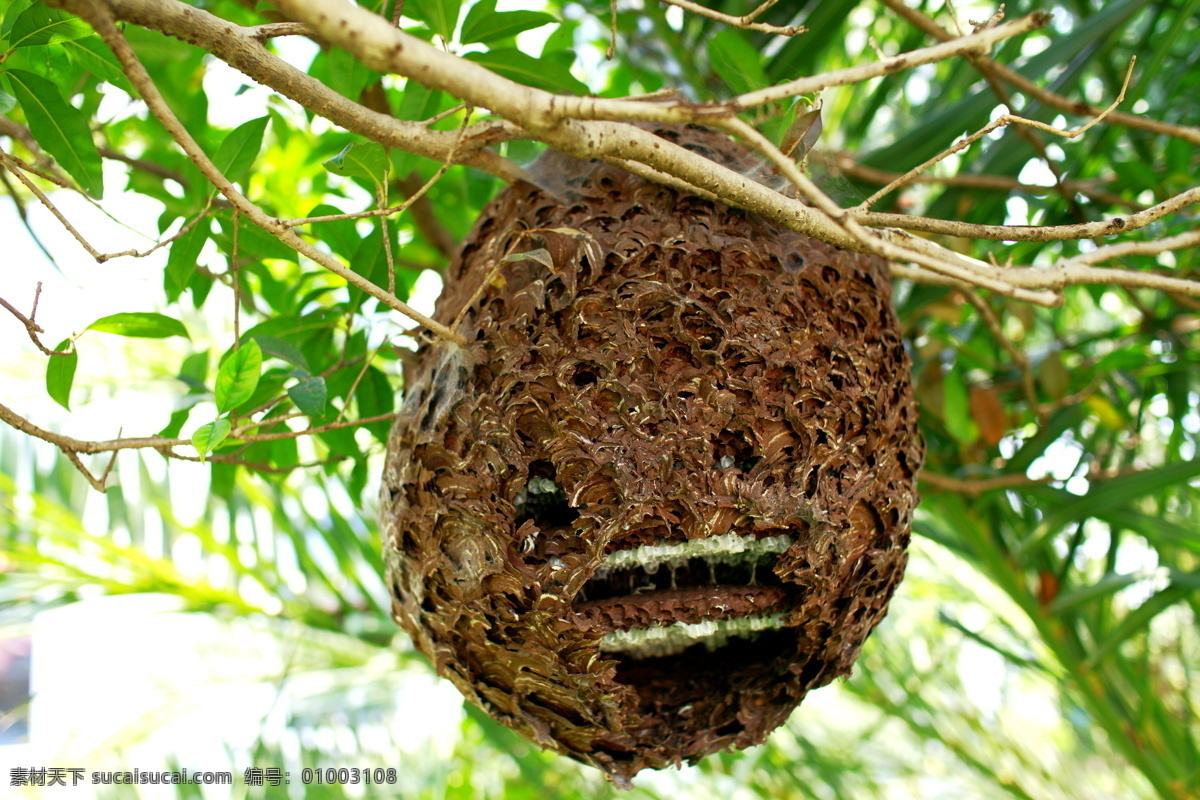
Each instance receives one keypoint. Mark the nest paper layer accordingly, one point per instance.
(667, 489)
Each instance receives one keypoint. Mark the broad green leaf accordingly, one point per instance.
(240, 147)
(366, 160)
(485, 24)
(60, 128)
(7, 102)
(40, 24)
(11, 16)
(209, 437)
(182, 258)
(736, 61)
(340, 234)
(238, 376)
(278, 348)
(60, 374)
(440, 15)
(419, 102)
(141, 325)
(551, 72)
(347, 75)
(94, 56)
(309, 396)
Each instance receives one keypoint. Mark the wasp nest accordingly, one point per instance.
(666, 490)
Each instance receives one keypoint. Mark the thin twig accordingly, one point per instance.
(1015, 353)
(746, 21)
(1001, 121)
(31, 326)
(1029, 88)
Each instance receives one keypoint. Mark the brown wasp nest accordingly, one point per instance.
(666, 490)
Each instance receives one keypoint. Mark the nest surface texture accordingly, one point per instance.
(666, 490)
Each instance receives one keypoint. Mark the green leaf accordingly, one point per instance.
(40, 24)
(347, 75)
(956, 409)
(140, 325)
(208, 437)
(182, 259)
(60, 128)
(360, 160)
(375, 396)
(551, 72)
(737, 62)
(309, 396)
(11, 16)
(440, 15)
(485, 24)
(7, 102)
(60, 374)
(94, 56)
(240, 147)
(238, 376)
(277, 348)
(419, 102)
(1104, 495)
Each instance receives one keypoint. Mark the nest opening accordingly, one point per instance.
(543, 501)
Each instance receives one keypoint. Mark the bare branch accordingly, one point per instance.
(845, 164)
(746, 21)
(1006, 119)
(30, 323)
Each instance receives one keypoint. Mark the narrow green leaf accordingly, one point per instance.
(238, 376)
(440, 15)
(60, 374)
(309, 396)
(1109, 584)
(1109, 494)
(209, 437)
(182, 257)
(1139, 620)
(40, 24)
(485, 24)
(60, 128)
(360, 160)
(736, 61)
(551, 72)
(141, 325)
(240, 147)
(277, 348)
